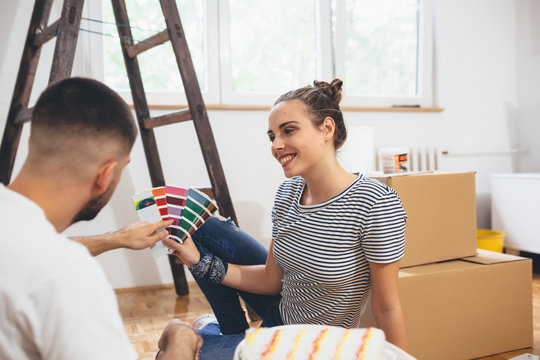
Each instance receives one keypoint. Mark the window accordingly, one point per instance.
(249, 52)
(267, 48)
(161, 79)
(383, 52)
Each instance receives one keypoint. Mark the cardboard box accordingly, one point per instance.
(467, 308)
(441, 215)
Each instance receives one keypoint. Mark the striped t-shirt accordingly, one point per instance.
(324, 249)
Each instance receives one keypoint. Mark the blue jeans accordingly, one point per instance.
(225, 240)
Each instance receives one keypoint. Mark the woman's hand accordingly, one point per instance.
(187, 252)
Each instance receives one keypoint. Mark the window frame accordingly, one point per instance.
(164, 98)
(424, 63)
(322, 49)
(330, 61)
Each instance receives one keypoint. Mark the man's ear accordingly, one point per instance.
(105, 176)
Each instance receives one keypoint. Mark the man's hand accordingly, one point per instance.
(135, 236)
(140, 235)
(179, 341)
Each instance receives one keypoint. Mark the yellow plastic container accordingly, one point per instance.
(490, 240)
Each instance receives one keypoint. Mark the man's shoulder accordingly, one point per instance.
(34, 261)
(64, 289)
(33, 252)
(23, 233)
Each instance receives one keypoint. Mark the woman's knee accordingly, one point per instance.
(223, 238)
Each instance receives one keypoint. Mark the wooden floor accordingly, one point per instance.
(146, 311)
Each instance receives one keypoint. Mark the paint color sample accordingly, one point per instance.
(147, 210)
(199, 207)
(176, 200)
(161, 202)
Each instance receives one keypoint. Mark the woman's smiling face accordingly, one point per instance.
(297, 144)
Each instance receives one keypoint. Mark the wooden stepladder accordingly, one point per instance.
(66, 30)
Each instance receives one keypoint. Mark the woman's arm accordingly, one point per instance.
(385, 303)
(259, 279)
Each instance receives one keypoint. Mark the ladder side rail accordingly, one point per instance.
(197, 108)
(137, 92)
(66, 42)
(23, 89)
(147, 135)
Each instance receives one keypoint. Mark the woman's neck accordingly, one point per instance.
(325, 182)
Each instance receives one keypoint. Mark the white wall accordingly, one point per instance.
(527, 115)
(485, 81)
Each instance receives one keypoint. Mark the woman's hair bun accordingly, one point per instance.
(333, 89)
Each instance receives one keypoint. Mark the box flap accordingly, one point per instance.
(489, 257)
(380, 176)
(436, 268)
(397, 180)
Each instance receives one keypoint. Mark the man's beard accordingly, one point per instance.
(94, 206)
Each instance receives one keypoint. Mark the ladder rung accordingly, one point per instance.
(46, 35)
(147, 44)
(180, 116)
(24, 116)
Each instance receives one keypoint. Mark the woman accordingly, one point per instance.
(336, 236)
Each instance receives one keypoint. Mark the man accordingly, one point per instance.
(55, 301)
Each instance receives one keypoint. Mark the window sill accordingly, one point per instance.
(266, 108)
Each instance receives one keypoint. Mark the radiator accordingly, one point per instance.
(424, 158)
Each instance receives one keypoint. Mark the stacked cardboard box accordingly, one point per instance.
(457, 304)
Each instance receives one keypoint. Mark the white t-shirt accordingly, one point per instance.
(55, 301)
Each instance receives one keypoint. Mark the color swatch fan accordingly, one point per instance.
(197, 210)
(188, 208)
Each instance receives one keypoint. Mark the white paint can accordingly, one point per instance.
(394, 160)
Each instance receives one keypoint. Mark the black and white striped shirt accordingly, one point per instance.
(324, 249)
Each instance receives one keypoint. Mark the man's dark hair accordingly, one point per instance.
(84, 109)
